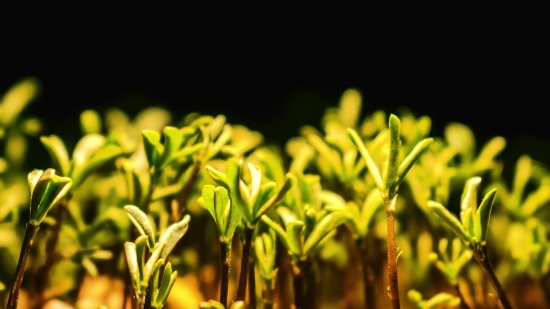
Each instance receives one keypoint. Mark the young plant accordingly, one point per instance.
(253, 199)
(395, 171)
(452, 266)
(227, 217)
(472, 229)
(264, 252)
(47, 189)
(145, 275)
(441, 300)
(306, 225)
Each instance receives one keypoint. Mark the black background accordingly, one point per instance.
(275, 66)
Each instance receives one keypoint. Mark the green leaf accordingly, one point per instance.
(90, 122)
(168, 280)
(350, 108)
(411, 158)
(223, 208)
(451, 220)
(172, 143)
(219, 177)
(462, 139)
(150, 141)
(208, 196)
(373, 203)
(277, 229)
(141, 245)
(294, 231)
(274, 199)
(58, 153)
(173, 234)
(483, 215)
(150, 265)
(46, 190)
(140, 220)
(211, 304)
(392, 166)
(132, 260)
(266, 191)
(373, 170)
(468, 221)
(322, 228)
(255, 182)
(237, 305)
(469, 196)
(103, 156)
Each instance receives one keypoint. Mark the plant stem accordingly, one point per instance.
(393, 289)
(546, 288)
(251, 286)
(368, 286)
(483, 260)
(304, 285)
(186, 191)
(226, 262)
(30, 232)
(268, 293)
(247, 244)
(463, 304)
(51, 256)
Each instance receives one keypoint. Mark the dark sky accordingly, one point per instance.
(276, 65)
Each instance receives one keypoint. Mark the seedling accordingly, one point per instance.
(395, 171)
(472, 228)
(47, 189)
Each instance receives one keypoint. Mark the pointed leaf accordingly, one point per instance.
(219, 177)
(103, 156)
(131, 259)
(172, 235)
(141, 247)
(483, 215)
(322, 228)
(469, 195)
(294, 231)
(373, 170)
(451, 220)
(275, 198)
(165, 290)
(255, 182)
(140, 220)
(277, 229)
(151, 263)
(266, 191)
(208, 196)
(172, 143)
(150, 141)
(392, 166)
(468, 221)
(411, 158)
(58, 153)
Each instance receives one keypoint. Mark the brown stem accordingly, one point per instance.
(226, 262)
(368, 286)
(304, 285)
(393, 289)
(30, 232)
(546, 288)
(463, 304)
(251, 286)
(247, 244)
(483, 260)
(51, 256)
(267, 296)
(186, 191)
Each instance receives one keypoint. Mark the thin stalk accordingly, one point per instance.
(51, 256)
(393, 288)
(268, 293)
(546, 288)
(251, 286)
(488, 269)
(30, 232)
(226, 262)
(304, 285)
(463, 304)
(186, 191)
(368, 286)
(245, 260)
